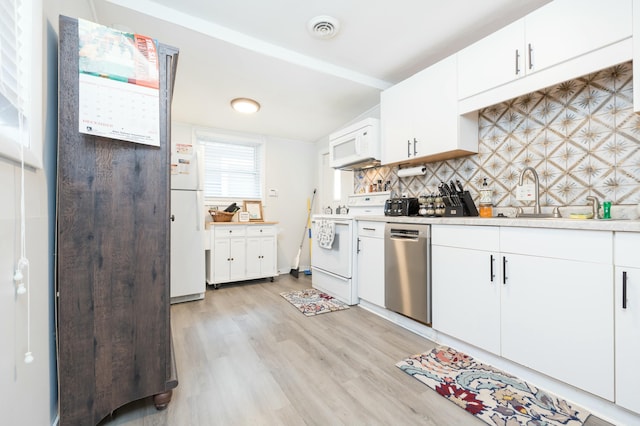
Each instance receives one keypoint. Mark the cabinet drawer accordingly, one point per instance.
(222, 231)
(469, 237)
(371, 229)
(625, 245)
(260, 231)
(568, 244)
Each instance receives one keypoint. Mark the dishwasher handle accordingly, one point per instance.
(404, 234)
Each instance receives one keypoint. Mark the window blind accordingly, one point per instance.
(233, 169)
(14, 67)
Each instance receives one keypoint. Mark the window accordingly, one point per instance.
(18, 84)
(233, 166)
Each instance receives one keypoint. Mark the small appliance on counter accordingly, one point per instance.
(401, 207)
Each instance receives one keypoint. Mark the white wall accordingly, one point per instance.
(25, 394)
(291, 170)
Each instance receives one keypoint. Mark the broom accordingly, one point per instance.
(296, 263)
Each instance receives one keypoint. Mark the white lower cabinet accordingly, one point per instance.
(370, 269)
(627, 311)
(261, 251)
(554, 298)
(466, 284)
(228, 255)
(241, 252)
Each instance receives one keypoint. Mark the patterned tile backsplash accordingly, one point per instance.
(581, 136)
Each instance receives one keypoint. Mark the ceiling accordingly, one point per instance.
(308, 87)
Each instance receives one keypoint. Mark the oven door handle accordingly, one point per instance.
(324, 271)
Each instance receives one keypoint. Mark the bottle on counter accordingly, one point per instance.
(486, 202)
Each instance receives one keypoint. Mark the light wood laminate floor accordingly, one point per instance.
(245, 356)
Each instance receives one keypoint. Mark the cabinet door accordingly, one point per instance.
(627, 337)
(557, 318)
(260, 257)
(466, 295)
(254, 251)
(636, 59)
(492, 61)
(565, 29)
(396, 122)
(238, 259)
(221, 260)
(436, 122)
(371, 270)
(268, 263)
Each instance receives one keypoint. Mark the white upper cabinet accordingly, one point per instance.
(636, 58)
(557, 33)
(420, 120)
(565, 29)
(492, 61)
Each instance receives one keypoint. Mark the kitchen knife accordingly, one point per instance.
(455, 198)
(459, 185)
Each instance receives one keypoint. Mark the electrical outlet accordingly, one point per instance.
(526, 192)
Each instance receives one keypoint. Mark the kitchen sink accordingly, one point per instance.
(536, 216)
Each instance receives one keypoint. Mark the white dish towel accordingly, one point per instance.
(325, 233)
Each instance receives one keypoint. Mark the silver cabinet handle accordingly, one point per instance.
(530, 57)
(504, 270)
(517, 62)
(415, 151)
(492, 273)
(408, 148)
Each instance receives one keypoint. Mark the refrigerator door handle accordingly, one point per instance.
(200, 214)
(199, 158)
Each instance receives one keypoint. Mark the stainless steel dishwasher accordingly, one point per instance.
(407, 253)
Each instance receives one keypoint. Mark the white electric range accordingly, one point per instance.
(333, 265)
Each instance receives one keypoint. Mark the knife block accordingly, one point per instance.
(467, 207)
(454, 211)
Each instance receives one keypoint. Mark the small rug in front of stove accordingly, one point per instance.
(492, 395)
(313, 302)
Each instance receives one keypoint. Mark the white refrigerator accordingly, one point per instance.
(188, 280)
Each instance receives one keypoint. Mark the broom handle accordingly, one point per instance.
(304, 233)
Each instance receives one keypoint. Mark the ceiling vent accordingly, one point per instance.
(324, 27)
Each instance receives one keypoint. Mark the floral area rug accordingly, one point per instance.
(492, 395)
(313, 302)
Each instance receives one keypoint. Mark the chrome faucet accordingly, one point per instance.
(536, 181)
(595, 206)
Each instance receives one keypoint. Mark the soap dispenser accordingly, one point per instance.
(486, 204)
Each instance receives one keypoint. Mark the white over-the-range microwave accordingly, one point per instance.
(356, 146)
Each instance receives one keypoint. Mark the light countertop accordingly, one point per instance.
(255, 223)
(554, 223)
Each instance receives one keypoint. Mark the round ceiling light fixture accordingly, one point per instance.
(245, 105)
(324, 27)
